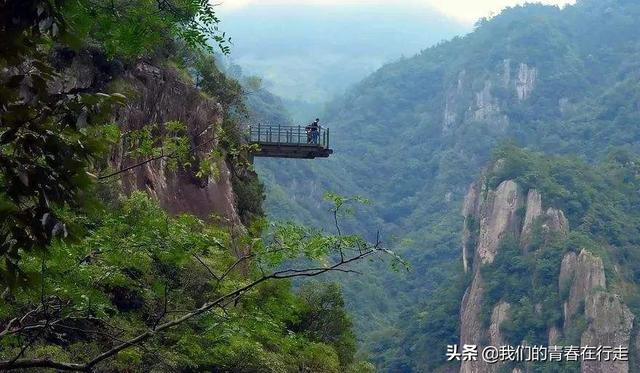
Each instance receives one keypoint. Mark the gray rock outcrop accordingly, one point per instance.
(499, 219)
(496, 212)
(159, 95)
(526, 81)
(491, 215)
(586, 274)
(610, 323)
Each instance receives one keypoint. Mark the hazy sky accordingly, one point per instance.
(312, 52)
(467, 11)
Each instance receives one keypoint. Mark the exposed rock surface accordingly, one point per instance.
(450, 116)
(486, 105)
(506, 72)
(471, 328)
(162, 97)
(486, 108)
(496, 213)
(552, 220)
(498, 316)
(453, 96)
(610, 324)
(526, 81)
(567, 271)
(554, 335)
(470, 212)
(582, 283)
(157, 95)
(556, 221)
(534, 210)
(499, 219)
(587, 275)
(634, 364)
(609, 321)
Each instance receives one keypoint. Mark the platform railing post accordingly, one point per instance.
(299, 133)
(327, 138)
(259, 132)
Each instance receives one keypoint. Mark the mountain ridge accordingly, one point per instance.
(413, 135)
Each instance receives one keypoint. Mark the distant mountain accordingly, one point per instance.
(312, 52)
(413, 135)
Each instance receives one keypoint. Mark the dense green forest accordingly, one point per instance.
(136, 235)
(412, 136)
(98, 276)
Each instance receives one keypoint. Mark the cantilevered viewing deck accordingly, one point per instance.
(289, 142)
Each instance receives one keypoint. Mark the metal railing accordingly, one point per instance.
(288, 135)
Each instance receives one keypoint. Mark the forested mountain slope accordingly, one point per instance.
(551, 247)
(132, 234)
(416, 133)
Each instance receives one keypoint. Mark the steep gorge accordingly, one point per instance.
(412, 136)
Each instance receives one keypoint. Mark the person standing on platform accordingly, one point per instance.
(315, 131)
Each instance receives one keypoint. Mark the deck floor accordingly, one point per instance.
(303, 151)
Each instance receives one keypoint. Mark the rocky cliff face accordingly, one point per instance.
(157, 95)
(596, 315)
(609, 323)
(581, 275)
(525, 81)
(495, 211)
(164, 96)
(487, 104)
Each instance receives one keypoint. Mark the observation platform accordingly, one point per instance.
(289, 142)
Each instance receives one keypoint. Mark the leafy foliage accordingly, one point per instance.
(140, 269)
(131, 29)
(137, 289)
(48, 140)
(325, 320)
(597, 200)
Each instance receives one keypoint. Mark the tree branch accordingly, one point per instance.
(220, 301)
(156, 158)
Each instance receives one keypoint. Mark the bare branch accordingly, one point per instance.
(206, 267)
(335, 218)
(232, 267)
(42, 363)
(164, 308)
(221, 302)
(140, 164)
(156, 158)
(9, 329)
